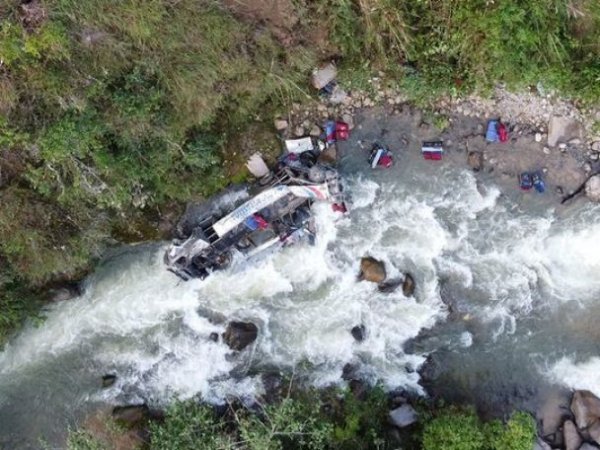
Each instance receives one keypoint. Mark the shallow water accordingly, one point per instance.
(520, 279)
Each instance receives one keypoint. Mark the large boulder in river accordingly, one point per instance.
(408, 285)
(239, 335)
(358, 332)
(371, 269)
(586, 408)
(571, 436)
(594, 432)
(592, 188)
(563, 129)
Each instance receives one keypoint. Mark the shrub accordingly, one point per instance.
(454, 429)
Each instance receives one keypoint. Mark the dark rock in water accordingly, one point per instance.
(349, 371)
(214, 337)
(389, 286)
(586, 408)
(359, 389)
(131, 415)
(359, 332)
(403, 416)
(475, 161)
(372, 270)
(431, 369)
(273, 384)
(239, 335)
(408, 286)
(108, 380)
(571, 436)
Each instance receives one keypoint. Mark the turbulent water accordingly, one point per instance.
(521, 280)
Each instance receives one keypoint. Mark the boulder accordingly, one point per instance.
(323, 76)
(595, 146)
(371, 269)
(553, 411)
(358, 332)
(108, 380)
(571, 436)
(281, 124)
(389, 286)
(586, 446)
(131, 415)
(239, 335)
(214, 336)
(475, 161)
(592, 188)
(408, 285)
(315, 131)
(562, 129)
(586, 408)
(594, 432)
(403, 416)
(541, 445)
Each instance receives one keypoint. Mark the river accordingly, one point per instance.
(518, 278)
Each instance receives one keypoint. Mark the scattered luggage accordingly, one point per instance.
(496, 132)
(380, 156)
(432, 150)
(538, 182)
(336, 131)
(525, 181)
(528, 180)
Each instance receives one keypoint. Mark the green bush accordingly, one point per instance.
(518, 433)
(454, 429)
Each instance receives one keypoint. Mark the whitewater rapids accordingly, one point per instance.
(517, 269)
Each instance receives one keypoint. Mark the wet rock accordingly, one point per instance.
(408, 285)
(571, 436)
(586, 408)
(359, 389)
(214, 336)
(239, 335)
(594, 431)
(562, 129)
(349, 371)
(64, 293)
(554, 410)
(403, 416)
(359, 332)
(108, 380)
(475, 161)
(273, 385)
(281, 124)
(131, 415)
(389, 286)
(371, 269)
(592, 191)
(541, 445)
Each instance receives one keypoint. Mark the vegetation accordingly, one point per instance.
(115, 111)
(327, 419)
